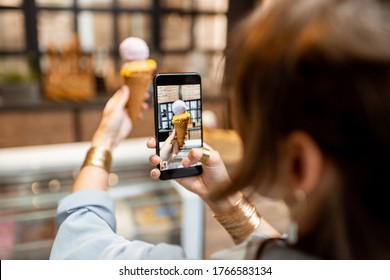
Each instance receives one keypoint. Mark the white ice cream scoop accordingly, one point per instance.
(179, 107)
(133, 48)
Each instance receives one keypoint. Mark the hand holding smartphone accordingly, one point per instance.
(178, 122)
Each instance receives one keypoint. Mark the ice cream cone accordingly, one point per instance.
(137, 75)
(180, 122)
(138, 84)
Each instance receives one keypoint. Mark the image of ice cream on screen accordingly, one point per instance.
(180, 122)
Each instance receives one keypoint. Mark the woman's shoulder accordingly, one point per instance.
(262, 248)
(274, 249)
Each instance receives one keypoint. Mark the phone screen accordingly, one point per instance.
(178, 121)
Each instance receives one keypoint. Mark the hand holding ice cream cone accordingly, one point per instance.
(180, 121)
(137, 72)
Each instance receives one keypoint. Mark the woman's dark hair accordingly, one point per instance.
(322, 67)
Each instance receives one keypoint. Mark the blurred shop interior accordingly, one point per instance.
(59, 64)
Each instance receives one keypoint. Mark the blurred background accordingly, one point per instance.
(59, 64)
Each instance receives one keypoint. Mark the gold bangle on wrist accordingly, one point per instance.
(241, 221)
(98, 157)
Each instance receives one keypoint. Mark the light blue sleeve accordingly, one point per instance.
(86, 230)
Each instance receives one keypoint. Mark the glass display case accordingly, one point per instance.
(36, 178)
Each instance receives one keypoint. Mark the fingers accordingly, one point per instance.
(154, 159)
(175, 146)
(119, 99)
(145, 106)
(147, 96)
(140, 115)
(207, 146)
(155, 174)
(151, 143)
(195, 155)
(192, 157)
(124, 96)
(170, 137)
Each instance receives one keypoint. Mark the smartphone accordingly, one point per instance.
(178, 122)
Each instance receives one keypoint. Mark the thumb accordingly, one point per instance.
(119, 99)
(192, 157)
(195, 155)
(124, 97)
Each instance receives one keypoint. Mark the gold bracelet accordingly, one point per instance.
(241, 221)
(98, 157)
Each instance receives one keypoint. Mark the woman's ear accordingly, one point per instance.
(305, 162)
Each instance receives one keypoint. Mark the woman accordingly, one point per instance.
(310, 82)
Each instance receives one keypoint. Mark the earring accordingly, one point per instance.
(292, 233)
(298, 202)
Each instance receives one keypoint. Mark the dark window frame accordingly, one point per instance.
(156, 12)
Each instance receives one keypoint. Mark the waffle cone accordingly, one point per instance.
(181, 131)
(138, 83)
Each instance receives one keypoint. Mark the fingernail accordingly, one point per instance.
(125, 88)
(185, 162)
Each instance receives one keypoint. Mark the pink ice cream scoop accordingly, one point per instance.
(133, 48)
(178, 107)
